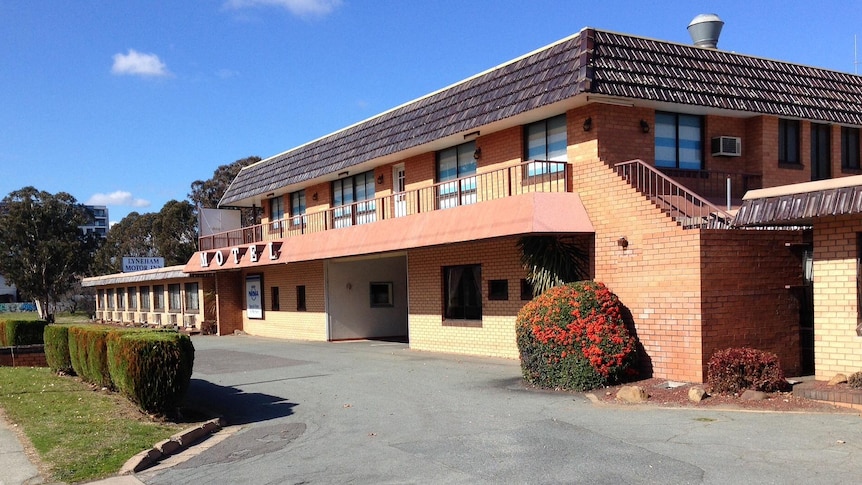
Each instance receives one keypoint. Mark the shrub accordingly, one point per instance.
(57, 348)
(21, 332)
(152, 369)
(573, 337)
(88, 353)
(737, 369)
(855, 380)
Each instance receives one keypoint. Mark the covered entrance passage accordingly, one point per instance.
(366, 298)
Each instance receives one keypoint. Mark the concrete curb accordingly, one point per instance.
(175, 444)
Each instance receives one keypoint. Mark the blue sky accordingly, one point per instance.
(126, 103)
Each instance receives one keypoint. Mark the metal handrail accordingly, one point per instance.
(526, 177)
(684, 206)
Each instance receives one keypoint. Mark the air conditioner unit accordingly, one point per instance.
(189, 321)
(726, 146)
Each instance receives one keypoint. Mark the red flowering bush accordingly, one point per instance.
(573, 337)
(737, 369)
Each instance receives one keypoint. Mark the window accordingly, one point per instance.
(276, 212)
(273, 293)
(352, 198)
(121, 298)
(297, 209)
(526, 290)
(546, 140)
(456, 163)
(381, 294)
(192, 297)
(788, 142)
(300, 298)
(145, 298)
(678, 141)
(174, 298)
(101, 299)
(462, 287)
(110, 299)
(498, 289)
(859, 284)
(850, 148)
(132, 295)
(159, 297)
(821, 151)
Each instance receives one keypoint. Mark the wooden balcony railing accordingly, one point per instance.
(532, 176)
(684, 206)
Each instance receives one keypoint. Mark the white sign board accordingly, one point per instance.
(214, 221)
(131, 265)
(253, 297)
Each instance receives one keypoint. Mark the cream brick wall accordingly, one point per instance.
(837, 348)
(288, 325)
(496, 336)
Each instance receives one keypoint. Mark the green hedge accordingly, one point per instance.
(88, 350)
(21, 332)
(57, 348)
(152, 369)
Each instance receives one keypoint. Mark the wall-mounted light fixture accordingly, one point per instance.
(588, 124)
(477, 153)
(380, 179)
(644, 126)
(270, 194)
(472, 134)
(314, 197)
(344, 173)
(623, 242)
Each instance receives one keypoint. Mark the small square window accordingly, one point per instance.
(526, 290)
(498, 289)
(381, 294)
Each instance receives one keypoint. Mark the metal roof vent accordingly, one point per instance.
(705, 29)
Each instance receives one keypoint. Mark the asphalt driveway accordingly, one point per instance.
(378, 412)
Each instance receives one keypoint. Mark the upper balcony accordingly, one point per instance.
(527, 177)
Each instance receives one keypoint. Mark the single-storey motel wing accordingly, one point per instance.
(406, 225)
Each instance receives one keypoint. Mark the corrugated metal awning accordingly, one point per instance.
(800, 204)
(170, 272)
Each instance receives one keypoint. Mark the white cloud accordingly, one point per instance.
(120, 197)
(300, 8)
(138, 64)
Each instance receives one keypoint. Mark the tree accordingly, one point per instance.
(43, 250)
(133, 236)
(175, 232)
(551, 261)
(208, 193)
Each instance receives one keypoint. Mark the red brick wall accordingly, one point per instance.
(27, 356)
(745, 302)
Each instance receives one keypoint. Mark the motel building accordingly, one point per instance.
(640, 152)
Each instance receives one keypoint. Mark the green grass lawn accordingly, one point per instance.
(80, 434)
(65, 317)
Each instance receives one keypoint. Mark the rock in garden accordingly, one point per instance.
(838, 379)
(696, 394)
(752, 395)
(633, 394)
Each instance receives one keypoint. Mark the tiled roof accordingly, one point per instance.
(159, 274)
(555, 73)
(592, 62)
(635, 67)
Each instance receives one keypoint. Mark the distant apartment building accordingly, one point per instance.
(100, 220)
